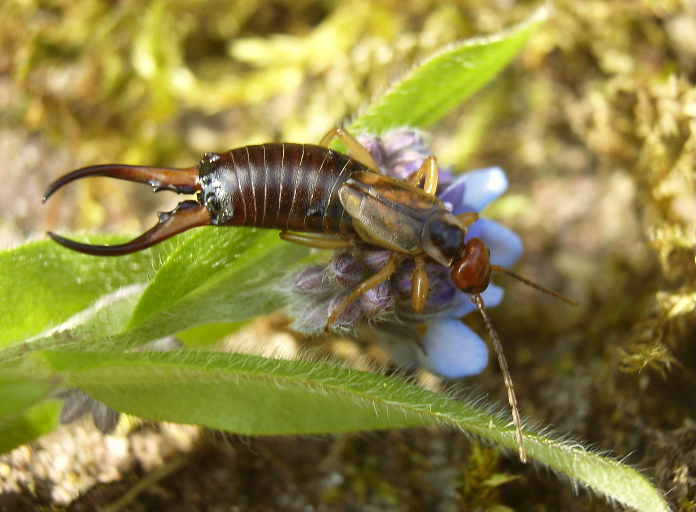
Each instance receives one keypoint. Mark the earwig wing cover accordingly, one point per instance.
(387, 212)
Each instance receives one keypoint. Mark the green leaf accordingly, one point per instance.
(210, 276)
(261, 396)
(441, 82)
(43, 284)
(218, 275)
(28, 425)
(207, 335)
(19, 392)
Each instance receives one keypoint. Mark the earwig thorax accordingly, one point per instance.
(443, 237)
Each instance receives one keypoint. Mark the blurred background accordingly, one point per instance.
(593, 123)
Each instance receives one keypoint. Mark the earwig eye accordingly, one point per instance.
(472, 272)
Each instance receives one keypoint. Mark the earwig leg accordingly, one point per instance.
(420, 285)
(468, 218)
(356, 149)
(382, 275)
(428, 171)
(465, 220)
(317, 241)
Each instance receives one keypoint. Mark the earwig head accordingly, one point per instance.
(471, 273)
(186, 215)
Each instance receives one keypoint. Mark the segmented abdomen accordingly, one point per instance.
(279, 186)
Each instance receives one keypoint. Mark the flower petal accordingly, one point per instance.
(453, 350)
(474, 190)
(505, 245)
(492, 296)
(399, 341)
(405, 139)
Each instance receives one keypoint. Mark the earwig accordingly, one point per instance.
(324, 199)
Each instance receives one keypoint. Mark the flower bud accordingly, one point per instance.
(310, 317)
(375, 260)
(311, 282)
(345, 270)
(378, 303)
(348, 318)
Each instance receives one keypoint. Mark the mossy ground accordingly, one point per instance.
(594, 125)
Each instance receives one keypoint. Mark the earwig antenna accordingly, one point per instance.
(512, 399)
(534, 285)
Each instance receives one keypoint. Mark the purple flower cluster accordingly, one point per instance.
(435, 339)
(78, 404)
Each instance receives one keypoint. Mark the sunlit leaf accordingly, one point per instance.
(441, 82)
(24, 427)
(262, 396)
(43, 284)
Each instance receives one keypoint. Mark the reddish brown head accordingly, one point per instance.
(472, 272)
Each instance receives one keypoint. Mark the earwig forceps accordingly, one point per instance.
(186, 215)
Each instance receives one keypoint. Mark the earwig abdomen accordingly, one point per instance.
(291, 187)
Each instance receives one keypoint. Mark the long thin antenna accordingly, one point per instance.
(512, 399)
(537, 286)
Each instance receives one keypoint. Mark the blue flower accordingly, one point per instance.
(472, 192)
(452, 349)
(435, 339)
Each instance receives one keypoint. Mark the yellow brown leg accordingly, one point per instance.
(317, 241)
(420, 285)
(428, 171)
(356, 149)
(382, 275)
(468, 218)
